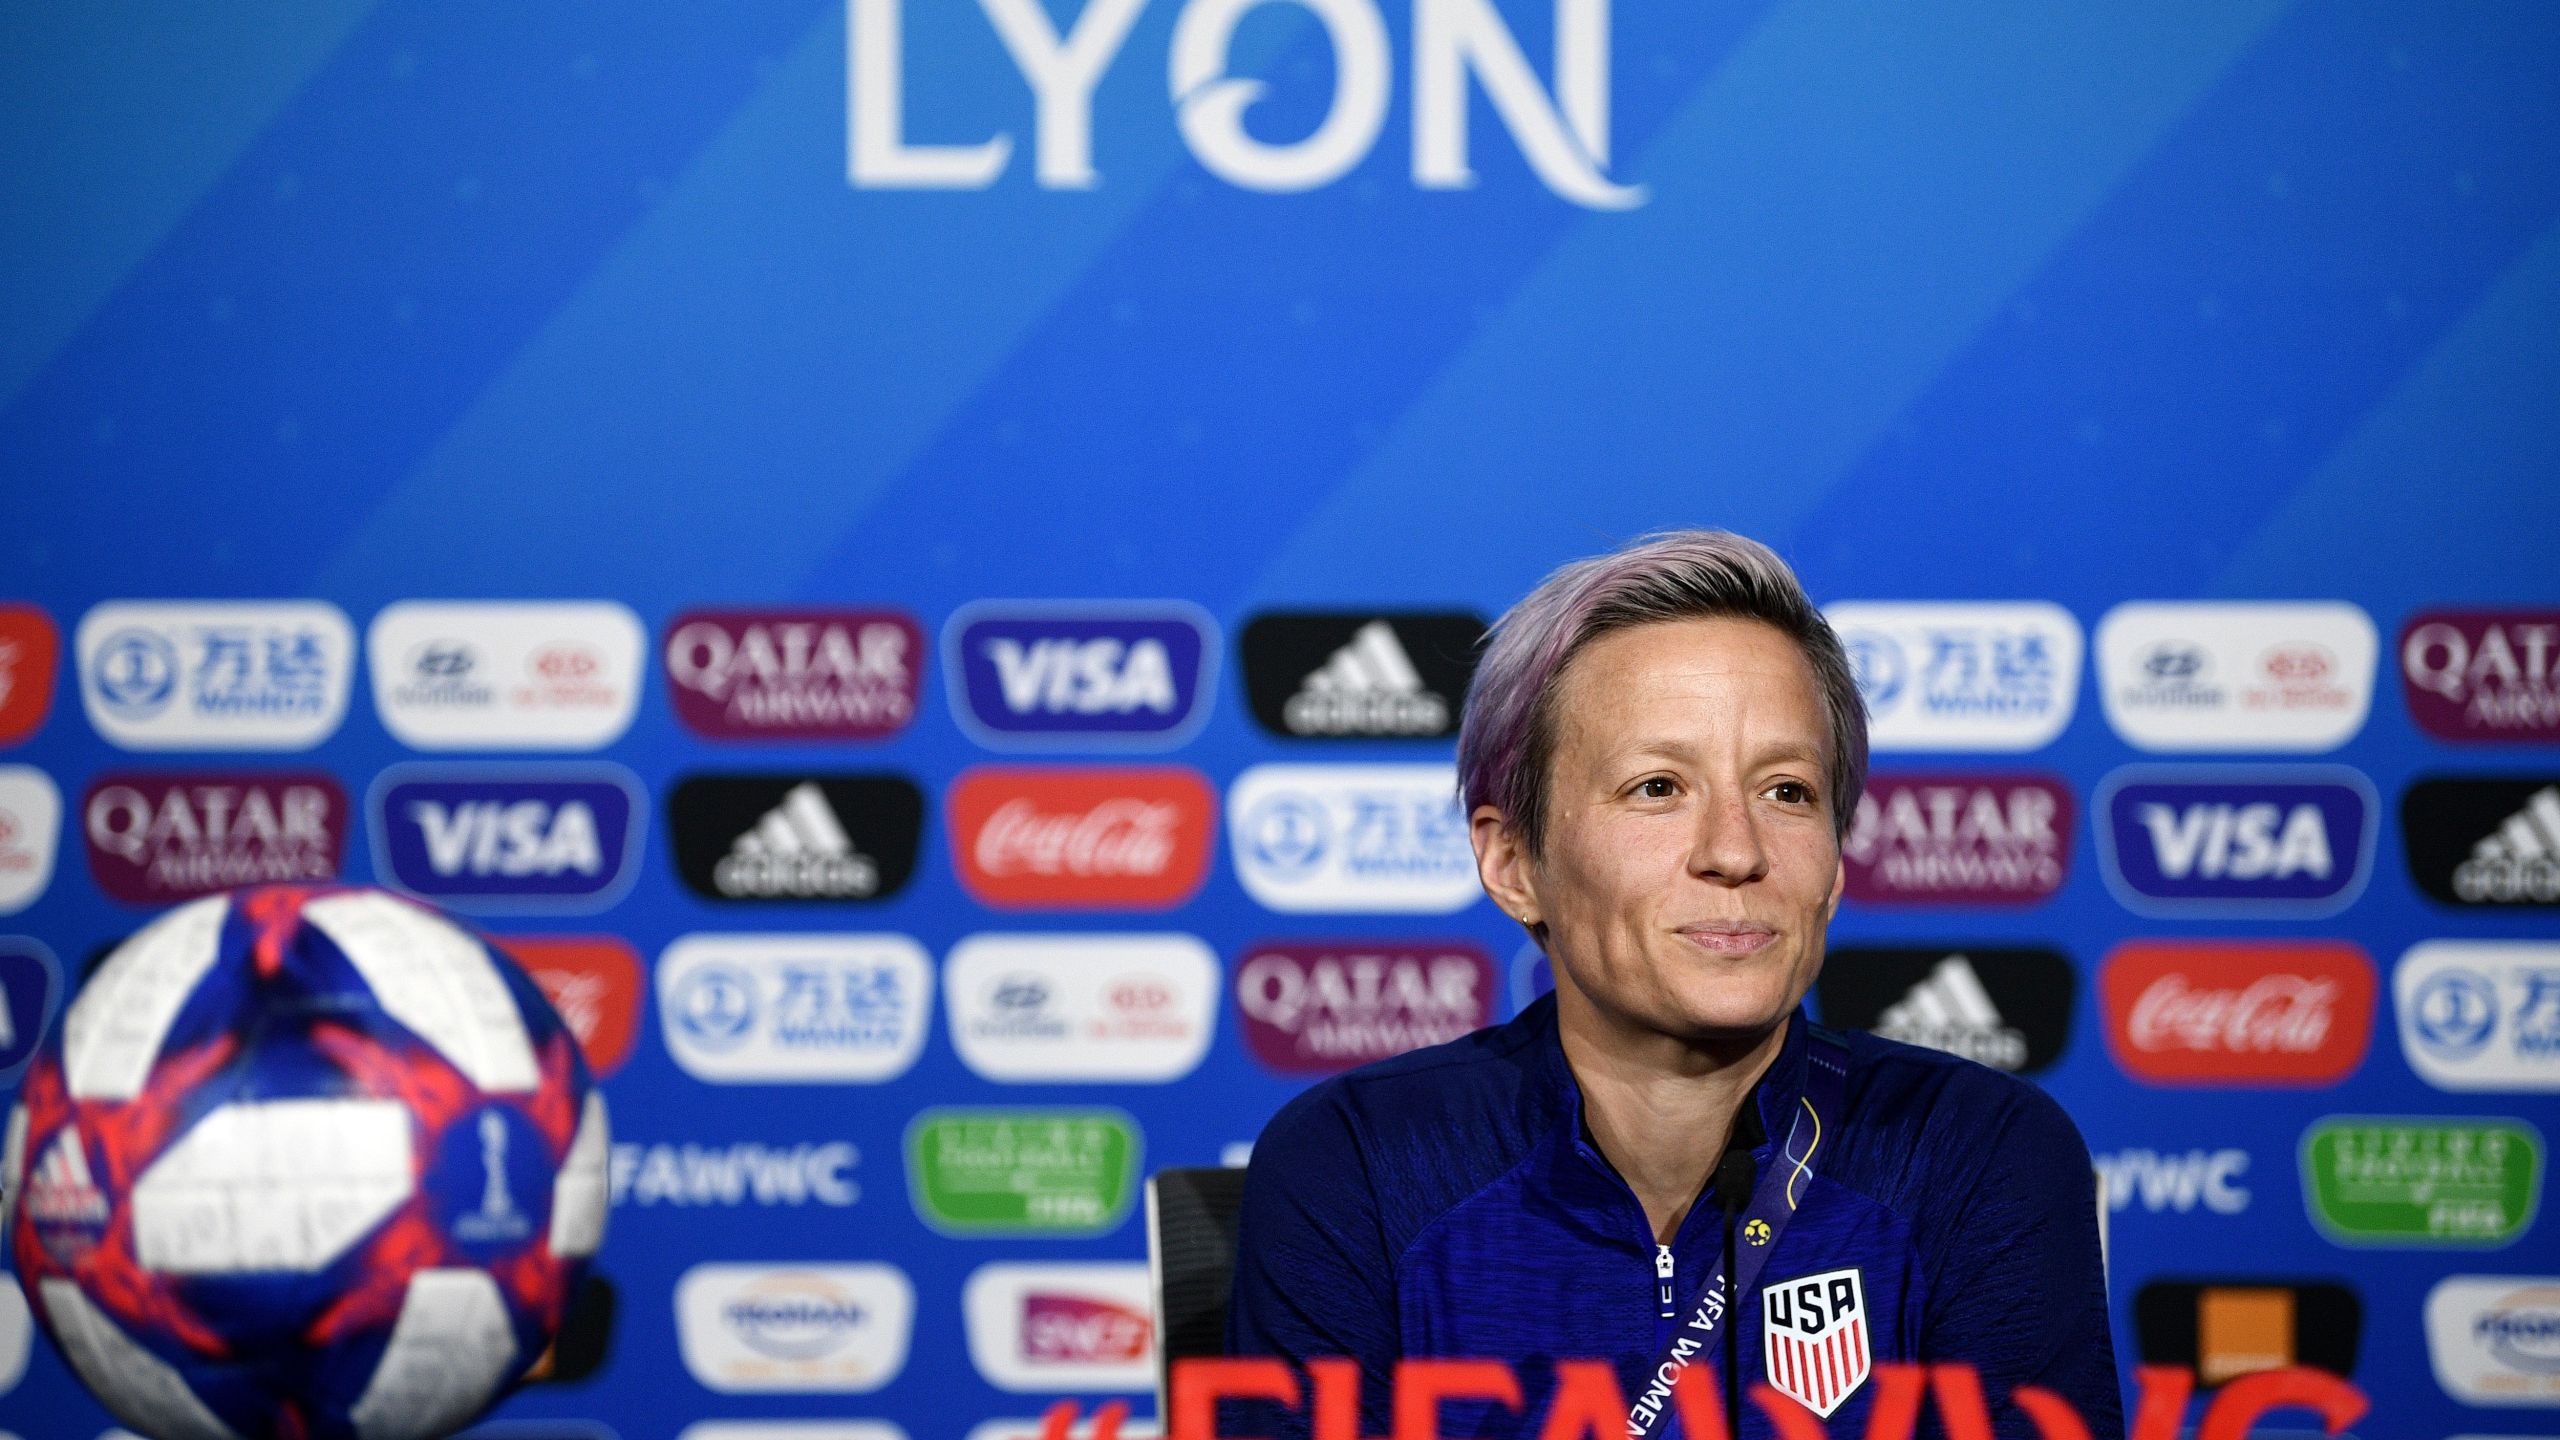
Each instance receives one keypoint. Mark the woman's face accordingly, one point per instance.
(1691, 865)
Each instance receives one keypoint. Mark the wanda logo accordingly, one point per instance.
(2232, 1012)
(1027, 837)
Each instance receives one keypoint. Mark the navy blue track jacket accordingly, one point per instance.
(1449, 1203)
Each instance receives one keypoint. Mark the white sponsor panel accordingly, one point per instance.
(216, 674)
(795, 1008)
(2201, 675)
(2495, 1339)
(513, 675)
(1352, 838)
(2480, 1014)
(792, 1430)
(30, 834)
(1962, 675)
(1128, 1007)
(1081, 1327)
(832, 1329)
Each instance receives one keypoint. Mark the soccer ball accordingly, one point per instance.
(304, 1163)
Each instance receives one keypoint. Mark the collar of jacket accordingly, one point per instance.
(1771, 1108)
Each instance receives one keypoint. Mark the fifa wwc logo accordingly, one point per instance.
(497, 1220)
(1459, 46)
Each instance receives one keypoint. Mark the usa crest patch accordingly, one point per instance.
(1814, 1338)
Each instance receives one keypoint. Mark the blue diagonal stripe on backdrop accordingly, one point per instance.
(116, 118)
(2432, 499)
(2188, 361)
(273, 356)
(884, 311)
(1833, 222)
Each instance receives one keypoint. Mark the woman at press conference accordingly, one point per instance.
(1665, 1163)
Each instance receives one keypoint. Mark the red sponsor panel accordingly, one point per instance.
(28, 648)
(2483, 674)
(1959, 839)
(594, 982)
(794, 674)
(1118, 837)
(1321, 1007)
(2238, 1012)
(156, 839)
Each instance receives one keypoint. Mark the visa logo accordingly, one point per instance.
(1031, 676)
(1089, 677)
(2240, 841)
(484, 837)
(507, 839)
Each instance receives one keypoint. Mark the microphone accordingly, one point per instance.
(1735, 1175)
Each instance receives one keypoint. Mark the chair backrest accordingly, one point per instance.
(1191, 1263)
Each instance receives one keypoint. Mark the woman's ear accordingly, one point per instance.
(1504, 866)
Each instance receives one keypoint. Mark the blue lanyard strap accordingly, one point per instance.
(1781, 1187)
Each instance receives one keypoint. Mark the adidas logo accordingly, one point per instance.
(798, 851)
(1368, 687)
(1949, 1010)
(2519, 862)
(60, 1191)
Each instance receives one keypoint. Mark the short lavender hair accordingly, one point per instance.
(1508, 736)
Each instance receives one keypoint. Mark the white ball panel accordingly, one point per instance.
(114, 1030)
(140, 1387)
(277, 1185)
(580, 1197)
(432, 977)
(16, 1333)
(13, 1167)
(449, 1350)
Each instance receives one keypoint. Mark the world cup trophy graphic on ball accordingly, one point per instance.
(304, 1163)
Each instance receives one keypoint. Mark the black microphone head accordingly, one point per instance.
(1735, 1174)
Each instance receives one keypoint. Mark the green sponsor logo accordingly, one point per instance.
(2404, 1180)
(1022, 1172)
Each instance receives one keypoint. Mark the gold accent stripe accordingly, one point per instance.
(1804, 1165)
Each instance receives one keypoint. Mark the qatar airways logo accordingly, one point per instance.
(1313, 1009)
(2235, 1013)
(1459, 48)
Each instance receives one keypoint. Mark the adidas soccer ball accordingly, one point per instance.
(306, 1163)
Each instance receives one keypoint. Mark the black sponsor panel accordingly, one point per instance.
(793, 837)
(2008, 1007)
(1360, 674)
(2225, 1328)
(2484, 843)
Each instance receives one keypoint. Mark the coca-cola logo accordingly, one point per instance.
(1947, 839)
(1110, 837)
(2237, 1013)
(1316, 1009)
(794, 674)
(158, 839)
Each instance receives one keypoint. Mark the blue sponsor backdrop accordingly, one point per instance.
(680, 307)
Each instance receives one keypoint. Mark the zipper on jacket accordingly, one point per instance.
(1662, 1277)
